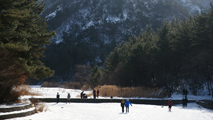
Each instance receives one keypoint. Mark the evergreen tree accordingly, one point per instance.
(23, 37)
(95, 76)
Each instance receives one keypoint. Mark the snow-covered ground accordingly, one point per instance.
(112, 111)
(47, 92)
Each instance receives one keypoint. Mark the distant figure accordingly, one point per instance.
(68, 97)
(186, 93)
(186, 101)
(57, 96)
(170, 104)
(94, 94)
(122, 105)
(212, 92)
(183, 102)
(97, 93)
(82, 94)
(127, 102)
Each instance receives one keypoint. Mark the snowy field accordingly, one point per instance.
(112, 111)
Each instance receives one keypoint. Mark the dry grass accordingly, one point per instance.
(72, 85)
(85, 87)
(39, 107)
(108, 90)
(25, 90)
(113, 90)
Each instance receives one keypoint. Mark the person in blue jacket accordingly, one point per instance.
(127, 103)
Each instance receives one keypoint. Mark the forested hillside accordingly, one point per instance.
(165, 48)
(88, 30)
(178, 55)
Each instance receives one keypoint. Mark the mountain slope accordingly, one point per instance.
(88, 30)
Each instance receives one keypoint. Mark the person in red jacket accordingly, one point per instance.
(170, 104)
(94, 94)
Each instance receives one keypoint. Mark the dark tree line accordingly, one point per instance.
(179, 52)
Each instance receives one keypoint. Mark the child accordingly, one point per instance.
(122, 105)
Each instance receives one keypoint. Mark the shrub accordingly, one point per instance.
(108, 90)
(25, 90)
(85, 87)
(113, 90)
(39, 107)
(12, 97)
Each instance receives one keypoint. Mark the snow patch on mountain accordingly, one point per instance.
(53, 14)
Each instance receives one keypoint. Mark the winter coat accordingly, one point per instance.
(94, 92)
(127, 103)
(57, 96)
(68, 96)
(170, 103)
(122, 103)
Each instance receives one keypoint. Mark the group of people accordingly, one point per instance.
(184, 103)
(83, 95)
(95, 93)
(125, 103)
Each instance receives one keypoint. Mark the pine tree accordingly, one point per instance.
(23, 37)
(95, 76)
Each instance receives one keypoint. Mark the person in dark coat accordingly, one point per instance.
(186, 92)
(57, 96)
(127, 103)
(170, 104)
(122, 105)
(68, 97)
(183, 102)
(186, 101)
(82, 94)
(94, 94)
(97, 93)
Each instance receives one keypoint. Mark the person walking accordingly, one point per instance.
(68, 97)
(122, 105)
(97, 93)
(170, 104)
(57, 96)
(127, 103)
(94, 94)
